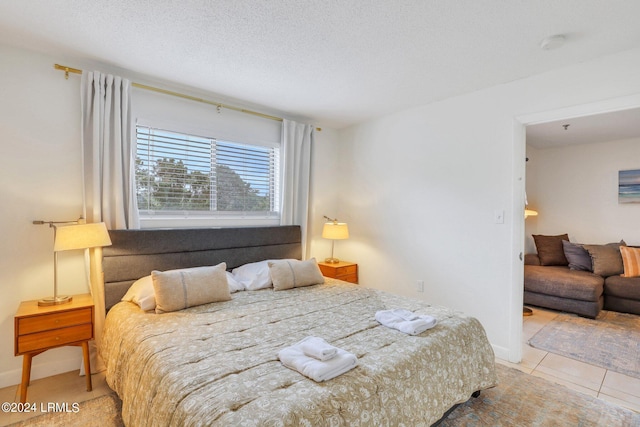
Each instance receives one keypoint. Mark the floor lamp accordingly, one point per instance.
(527, 213)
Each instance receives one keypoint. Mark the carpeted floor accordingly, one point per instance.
(519, 400)
(611, 340)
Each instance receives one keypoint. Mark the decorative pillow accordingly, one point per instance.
(180, 289)
(141, 293)
(606, 259)
(630, 261)
(291, 273)
(550, 250)
(234, 285)
(254, 276)
(577, 256)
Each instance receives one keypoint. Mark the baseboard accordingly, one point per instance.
(500, 352)
(43, 370)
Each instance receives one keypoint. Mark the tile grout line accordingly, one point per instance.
(599, 392)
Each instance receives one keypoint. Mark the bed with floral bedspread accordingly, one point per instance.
(216, 364)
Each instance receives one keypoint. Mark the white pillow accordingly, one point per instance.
(141, 292)
(179, 289)
(234, 285)
(254, 275)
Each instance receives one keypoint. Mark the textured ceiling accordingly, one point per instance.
(604, 127)
(332, 62)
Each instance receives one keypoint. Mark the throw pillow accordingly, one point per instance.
(577, 256)
(606, 259)
(288, 274)
(180, 289)
(550, 250)
(630, 261)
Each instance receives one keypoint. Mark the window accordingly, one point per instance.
(181, 175)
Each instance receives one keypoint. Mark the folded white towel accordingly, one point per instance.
(294, 358)
(318, 348)
(404, 314)
(406, 321)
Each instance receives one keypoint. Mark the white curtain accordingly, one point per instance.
(296, 143)
(108, 171)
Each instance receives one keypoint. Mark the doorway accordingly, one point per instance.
(521, 123)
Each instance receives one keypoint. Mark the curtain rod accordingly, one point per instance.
(68, 70)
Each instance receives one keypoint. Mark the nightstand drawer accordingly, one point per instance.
(45, 322)
(346, 270)
(54, 338)
(353, 277)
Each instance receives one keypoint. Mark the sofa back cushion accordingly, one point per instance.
(606, 259)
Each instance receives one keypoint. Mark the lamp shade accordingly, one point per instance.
(335, 230)
(530, 212)
(81, 236)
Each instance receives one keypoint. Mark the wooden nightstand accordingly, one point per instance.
(343, 270)
(39, 329)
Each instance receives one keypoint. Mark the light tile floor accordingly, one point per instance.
(619, 389)
(613, 387)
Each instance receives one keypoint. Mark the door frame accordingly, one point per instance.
(520, 123)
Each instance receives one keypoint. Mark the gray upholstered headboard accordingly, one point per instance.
(135, 253)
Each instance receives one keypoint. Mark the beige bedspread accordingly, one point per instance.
(217, 364)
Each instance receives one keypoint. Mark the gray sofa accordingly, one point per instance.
(559, 288)
(579, 278)
(622, 294)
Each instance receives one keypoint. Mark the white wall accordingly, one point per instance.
(40, 173)
(421, 188)
(40, 179)
(575, 190)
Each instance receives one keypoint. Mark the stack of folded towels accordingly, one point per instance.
(406, 321)
(317, 359)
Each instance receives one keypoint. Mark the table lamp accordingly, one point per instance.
(71, 237)
(334, 230)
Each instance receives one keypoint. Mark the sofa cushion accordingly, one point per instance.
(582, 308)
(550, 250)
(577, 256)
(563, 282)
(606, 259)
(630, 261)
(623, 287)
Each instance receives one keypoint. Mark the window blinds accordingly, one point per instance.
(181, 174)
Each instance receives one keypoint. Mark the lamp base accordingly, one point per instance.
(331, 260)
(46, 302)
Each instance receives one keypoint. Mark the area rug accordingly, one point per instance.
(524, 400)
(103, 411)
(611, 340)
(518, 400)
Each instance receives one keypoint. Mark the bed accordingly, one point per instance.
(217, 364)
